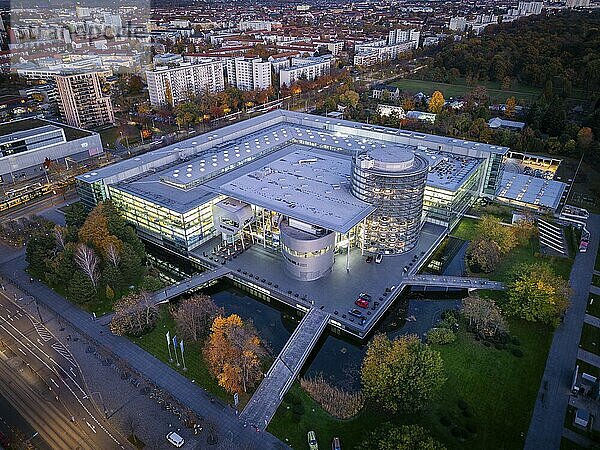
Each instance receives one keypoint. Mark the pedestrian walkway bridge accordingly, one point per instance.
(442, 281)
(189, 284)
(264, 403)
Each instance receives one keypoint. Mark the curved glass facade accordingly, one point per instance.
(395, 184)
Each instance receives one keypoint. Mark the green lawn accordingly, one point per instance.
(590, 339)
(499, 387)
(566, 444)
(155, 343)
(593, 307)
(596, 280)
(588, 368)
(460, 88)
(467, 230)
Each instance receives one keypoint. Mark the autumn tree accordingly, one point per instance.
(482, 255)
(510, 107)
(585, 137)
(492, 229)
(537, 294)
(135, 314)
(484, 317)
(403, 437)
(436, 102)
(402, 374)
(194, 316)
(233, 353)
(95, 231)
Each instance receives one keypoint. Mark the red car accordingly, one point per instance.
(362, 303)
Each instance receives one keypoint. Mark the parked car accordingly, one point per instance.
(378, 258)
(355, 312)
(175, 439)
(362, 303)
(312, 441)
(369, 259)
(335, 444)
(366, 296)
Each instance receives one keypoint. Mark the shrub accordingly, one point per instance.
(445, 420)
(440, 336)
(462, 405)
(471, 427)
(487, 344)
(517, 352)
(515, 341)
(336, 401)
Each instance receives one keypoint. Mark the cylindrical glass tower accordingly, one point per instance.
(393, 180)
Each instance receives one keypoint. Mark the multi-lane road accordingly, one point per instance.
(42, 380)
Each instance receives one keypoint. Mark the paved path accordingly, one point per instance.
(189, 284)
(588, 357)
(592, 320)
(231, 433)
(594, 289)
(264, 403)
(546, 427)
(453, 282)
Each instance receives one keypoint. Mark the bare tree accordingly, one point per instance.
(86, 259)
(113, 255)
(134, 314)
(484, 316)
(195, 315)
(60, 234)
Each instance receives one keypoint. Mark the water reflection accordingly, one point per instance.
(337, 357)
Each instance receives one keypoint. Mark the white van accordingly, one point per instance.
(175, 439)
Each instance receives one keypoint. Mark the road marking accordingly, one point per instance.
(21, 350)
(62, 351)
(55, 384)
(55, 370)
(93, 428)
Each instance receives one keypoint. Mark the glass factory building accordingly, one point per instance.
(304, 186)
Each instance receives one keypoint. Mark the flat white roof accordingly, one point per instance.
(307, 185)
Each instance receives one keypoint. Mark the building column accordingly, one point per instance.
(348, 253)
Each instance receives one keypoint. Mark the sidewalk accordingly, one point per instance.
(232, 434)
(546, 427)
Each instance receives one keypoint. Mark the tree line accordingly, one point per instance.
(95, 257)
(553, 46)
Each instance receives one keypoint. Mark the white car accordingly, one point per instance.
(175, 439)
(378, 258)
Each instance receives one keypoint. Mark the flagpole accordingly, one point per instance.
(182, 357)
(175, 350)
(168, 336)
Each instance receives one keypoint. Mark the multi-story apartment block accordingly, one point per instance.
(309, 68)
(578, 3)
(249, 74)
(458, 23)
(173, 85)
(400, 36)
(335, 47)
(258, 25)
(81, 101)
(372, 53)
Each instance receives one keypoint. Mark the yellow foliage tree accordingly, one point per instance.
(509, 108)
(233, 353)
(95, 232)
(436, 102)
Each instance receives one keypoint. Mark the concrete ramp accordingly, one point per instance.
(264, 403)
